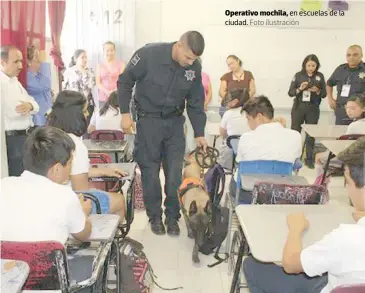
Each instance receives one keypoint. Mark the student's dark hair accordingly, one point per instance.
(360, 100)
(195, 42)
(109, 43)
(111, 102)
(241, 94)
(260, 104)
(313, 58)
(76, 55)
(354, 158)
(45, 147)
(5, 49)
(235, 58)
(68, 113)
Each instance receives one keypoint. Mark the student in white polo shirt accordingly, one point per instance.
(37, 207)
(337, 259)
(17, 107)
(269, 140)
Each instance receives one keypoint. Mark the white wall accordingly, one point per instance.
(273, 54)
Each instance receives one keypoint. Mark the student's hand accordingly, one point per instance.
(281, 120)
(127, 123)
(42, 56)
(86, 204)
(332, 103)
(314, 89)
(202, 142)
(297, 222)
(24, 108)
(357, 215)
(303, 85)
(113, 172)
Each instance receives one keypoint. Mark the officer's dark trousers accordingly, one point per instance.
(341, 116)
(308, 113)
(160, 141)
(15, 152)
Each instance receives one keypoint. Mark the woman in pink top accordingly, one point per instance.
(207, 87)
(107, 73)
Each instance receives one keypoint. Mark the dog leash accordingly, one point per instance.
(206, 159)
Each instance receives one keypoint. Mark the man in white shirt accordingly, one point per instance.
(337, 259)
(36, 206)
(269, 140)
(18, 108)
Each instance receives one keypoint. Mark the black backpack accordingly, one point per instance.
(216, 234)
(215, 179)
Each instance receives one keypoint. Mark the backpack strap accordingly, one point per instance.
(218, 258)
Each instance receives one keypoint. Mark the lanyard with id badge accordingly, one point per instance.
(345, 91)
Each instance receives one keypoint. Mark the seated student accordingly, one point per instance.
(337, 259)
(69, 113)
(355, 110)
(109, 118)
(37, 207)
(269, 140)
(232, 123)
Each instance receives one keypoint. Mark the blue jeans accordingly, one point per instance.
(270, 278)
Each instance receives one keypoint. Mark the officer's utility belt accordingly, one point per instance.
(159, 114)
(20, 132)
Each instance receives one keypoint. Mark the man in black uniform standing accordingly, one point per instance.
(349, 79)
(166, 75)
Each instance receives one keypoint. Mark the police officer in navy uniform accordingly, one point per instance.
(166, 77)
(349, 79)
(309, 88)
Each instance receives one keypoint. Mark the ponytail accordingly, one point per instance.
(76, 55)
(73, 62)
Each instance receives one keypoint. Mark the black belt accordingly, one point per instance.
(19, 132)
(159, 114)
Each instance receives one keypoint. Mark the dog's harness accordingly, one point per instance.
(188, 184)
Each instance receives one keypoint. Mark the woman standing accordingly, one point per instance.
(237, 78)
(39, 83)
(78, 77)
(309, 88)
(107, 73)
(207, 87)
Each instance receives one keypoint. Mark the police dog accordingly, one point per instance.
(195, 203)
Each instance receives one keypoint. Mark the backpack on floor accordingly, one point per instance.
(215, 180)
(135, 272)
(216, 233)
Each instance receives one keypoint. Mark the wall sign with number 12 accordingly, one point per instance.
(115, 17)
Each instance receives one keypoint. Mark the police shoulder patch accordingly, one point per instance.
(135, 59)
(362, 75)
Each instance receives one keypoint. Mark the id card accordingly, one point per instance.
(306, 96)
(345, 92)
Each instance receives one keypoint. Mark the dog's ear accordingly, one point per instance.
(208, 208)
(193, 209)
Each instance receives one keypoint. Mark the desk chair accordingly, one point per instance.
(48, 266)
(108, 135)
(246, 167)
(232, 142)
(273, 193)
(357, 288)
(102, 158)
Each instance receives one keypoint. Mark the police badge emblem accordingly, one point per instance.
(362, 75)
(190, 75)
(135, 59)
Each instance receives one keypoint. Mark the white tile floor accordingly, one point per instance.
(170, 257)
